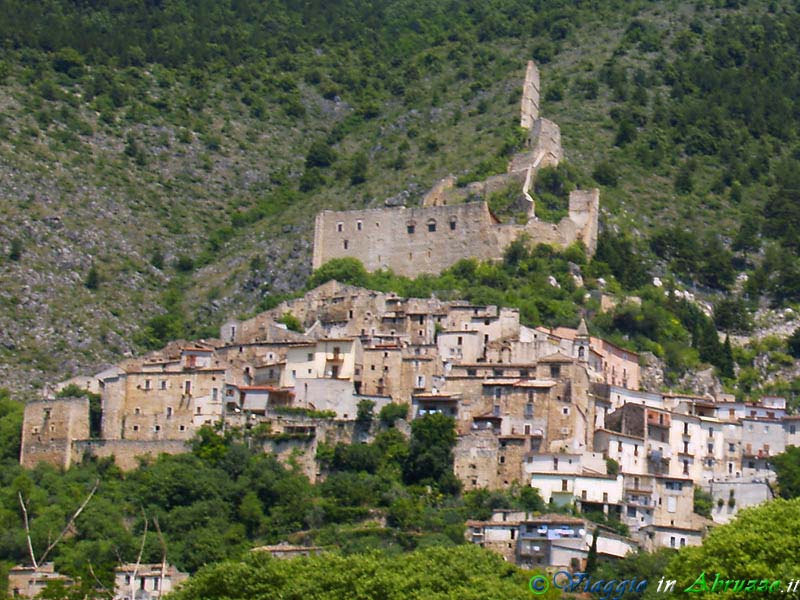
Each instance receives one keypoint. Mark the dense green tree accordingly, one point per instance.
(343, 270)
(751, 547)
(320, 154)
(391, 412)
(292, 323)
(703, 502)
(92, 281)
(787, 467)
(793, 343)
(430, 458)
(11, 413)
(436, 573)
(15, 252)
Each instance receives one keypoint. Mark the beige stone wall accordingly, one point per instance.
(48, 429)
(382, 373)
(383, 240)
(127, 453)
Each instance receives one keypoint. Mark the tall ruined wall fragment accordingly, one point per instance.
(530, 96)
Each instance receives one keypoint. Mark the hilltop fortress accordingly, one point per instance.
(455, 222)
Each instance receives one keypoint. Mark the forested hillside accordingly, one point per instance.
(161, 162)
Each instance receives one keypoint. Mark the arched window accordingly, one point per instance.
(431, 225)
(452, 223)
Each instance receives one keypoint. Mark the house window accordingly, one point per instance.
(605, 497)
(555, 370)
(472, 372)
(214, 392)
(147, 384)
(187, 388)
(309, 357)
(432, 225)
(565, 410)
(137, 411)
(136, 428)
(157, 428)
(555, 463)
(563, 485)
(460, 341)
(792, 429)
(182, 427)
(529, 410)
(410, 228)
(452, 224)
(502, 460)
(672, 542)
(583, 494)
(163, 384)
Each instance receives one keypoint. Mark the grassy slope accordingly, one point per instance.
(203, 155)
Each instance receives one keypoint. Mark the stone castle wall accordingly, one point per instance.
(450, 224)
(411, 240)
(383, 238)
(126, 453)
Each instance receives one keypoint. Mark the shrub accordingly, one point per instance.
(391, 412)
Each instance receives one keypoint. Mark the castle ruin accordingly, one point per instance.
(450, 224)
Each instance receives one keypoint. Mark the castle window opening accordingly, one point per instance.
(137, 411)
(359, 225)
(169, 411)
(163, 384)
(147, 384)
(340, 227)
(157, 428)
(410, 228)
(346, 243)
(452, 224)
(182, 427)
(432, 225)
(136, 428)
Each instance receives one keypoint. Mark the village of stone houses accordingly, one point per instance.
(558, 409)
